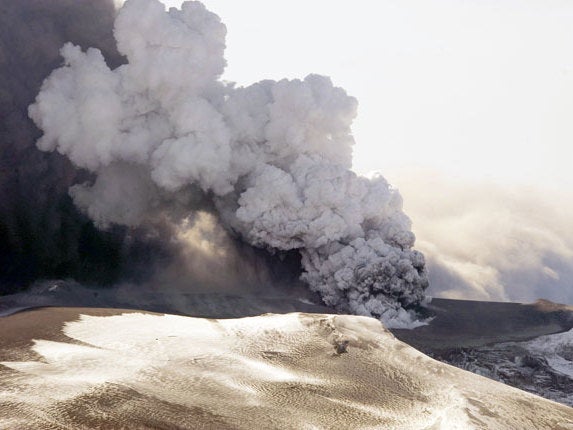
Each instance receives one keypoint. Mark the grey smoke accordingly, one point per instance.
(164, 136)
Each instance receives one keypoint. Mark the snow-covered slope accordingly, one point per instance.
(557, 349)
(142, 370)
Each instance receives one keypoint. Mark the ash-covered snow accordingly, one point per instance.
(557, 349)
(271, 371)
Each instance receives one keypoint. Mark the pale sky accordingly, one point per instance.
(477, 88)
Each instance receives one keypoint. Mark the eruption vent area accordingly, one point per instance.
(164, 132)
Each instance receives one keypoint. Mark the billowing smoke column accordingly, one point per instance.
(274, 157)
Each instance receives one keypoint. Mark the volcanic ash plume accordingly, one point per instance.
(273, 157)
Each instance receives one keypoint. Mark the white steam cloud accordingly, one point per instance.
(486, 241)
(274, 157)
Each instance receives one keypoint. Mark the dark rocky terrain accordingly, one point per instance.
(523, 345)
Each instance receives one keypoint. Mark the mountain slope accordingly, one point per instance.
(85, 368)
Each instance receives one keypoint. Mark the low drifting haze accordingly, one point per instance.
(463, 105)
